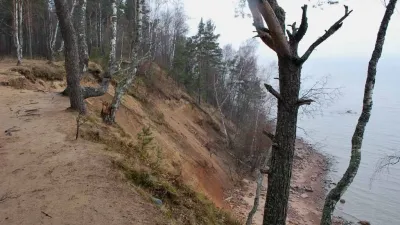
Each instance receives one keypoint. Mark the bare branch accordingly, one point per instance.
(271, 90)
(335, 27)
(303, 26)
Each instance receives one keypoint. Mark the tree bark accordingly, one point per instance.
(81, 30)
(18, 35)
(275, 211)
(127, 82)
(356, 142)
(71, 14)
(71, 57)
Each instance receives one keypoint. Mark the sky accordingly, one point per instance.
(355, 39)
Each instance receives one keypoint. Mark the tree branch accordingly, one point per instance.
(269, 135)
(302, 101)
(271, 90)
(303, 26)
(335, 27)
(277, 33)
(266, 38)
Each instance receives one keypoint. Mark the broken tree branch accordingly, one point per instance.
(303, 26)
(277, 34)
(275, 93)
(301, 102)
(335, 27)
(269, 135)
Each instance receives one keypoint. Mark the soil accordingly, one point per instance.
(47, 177)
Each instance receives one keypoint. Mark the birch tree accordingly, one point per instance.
(135, 61)
(52, 32)
(81, 32)
(356, 142)
(284, 42)
(18, 29)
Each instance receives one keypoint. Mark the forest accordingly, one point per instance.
(126, 37)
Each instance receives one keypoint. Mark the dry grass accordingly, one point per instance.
(43, 71)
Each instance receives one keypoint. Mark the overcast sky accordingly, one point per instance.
(355, 39)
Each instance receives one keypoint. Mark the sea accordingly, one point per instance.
(373, 196)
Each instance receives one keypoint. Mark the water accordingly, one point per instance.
(379, 201)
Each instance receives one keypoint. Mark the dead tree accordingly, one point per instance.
(18, 29)
(71, 56)
(290, 66)
(356, 142)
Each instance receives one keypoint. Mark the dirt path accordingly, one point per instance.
(49, 178)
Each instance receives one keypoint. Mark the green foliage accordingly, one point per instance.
(144, 139)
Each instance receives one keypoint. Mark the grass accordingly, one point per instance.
(43, 71)
(182, 203)
(143, 166)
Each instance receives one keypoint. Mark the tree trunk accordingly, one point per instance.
(29, 8)
(356, 142)
(112, 63)
(18, 35)
(280, 173)
(71, 57)
(81, 30)
(260, 177)
(126, 83)
(221, 114)
(71, 15)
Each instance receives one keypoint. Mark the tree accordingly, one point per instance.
(290, 66)
(18, 29)
(71, 53)
(135, 62)
(356, 142)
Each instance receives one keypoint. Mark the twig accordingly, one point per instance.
(46, 214)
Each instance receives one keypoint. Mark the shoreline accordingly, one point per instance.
(308, 189)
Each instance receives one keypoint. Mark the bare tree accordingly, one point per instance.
(290, 66)
(336, 193)
(71, 56)
(18, 29)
